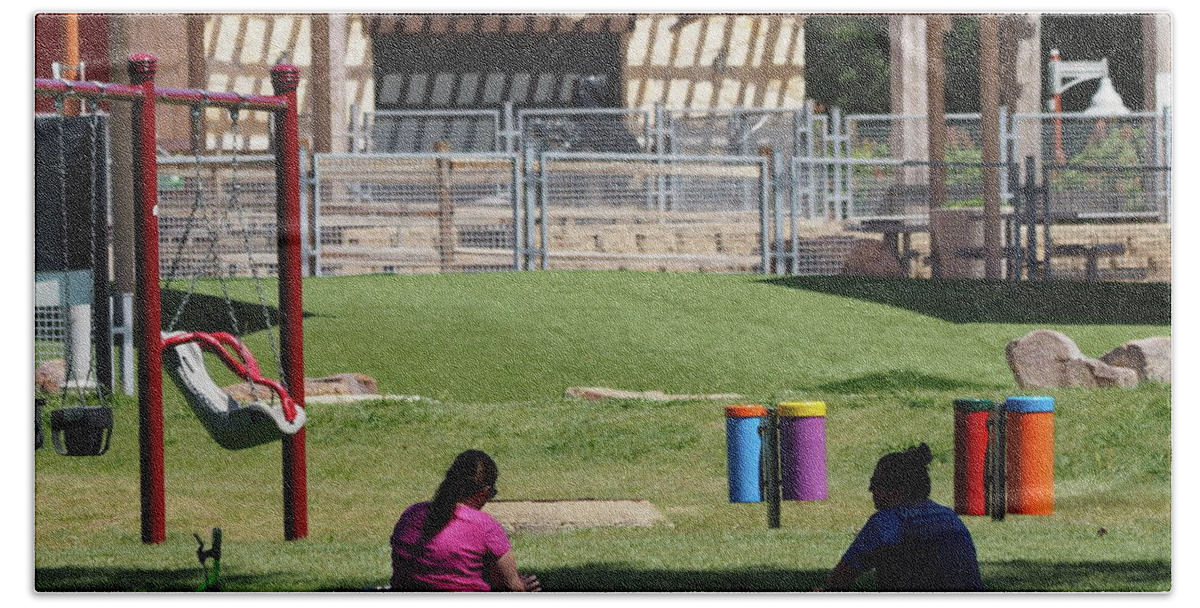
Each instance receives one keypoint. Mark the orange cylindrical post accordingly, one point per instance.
(1030, 455)
(970, 455)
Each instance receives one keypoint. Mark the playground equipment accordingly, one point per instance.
(776, 453)
(73, 278)
(802, 450)
(143, 95)
(1029, 451)
(1004, 456)
(743, 440)
(970, 455)
(233, 425)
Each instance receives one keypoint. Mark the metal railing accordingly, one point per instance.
(821, 170)
(417, 212)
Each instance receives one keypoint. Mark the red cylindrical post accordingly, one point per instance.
(970, 455)
(285, 79)
(148, 319)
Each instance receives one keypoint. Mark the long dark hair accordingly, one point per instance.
(471, 471)
(905, 472)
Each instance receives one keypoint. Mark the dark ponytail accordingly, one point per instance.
(470, 472)
(906, 472)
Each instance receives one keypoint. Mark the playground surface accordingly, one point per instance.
(492, 356)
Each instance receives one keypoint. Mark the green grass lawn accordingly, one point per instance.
(494, 353)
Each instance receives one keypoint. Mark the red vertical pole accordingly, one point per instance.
(285, 79)
(148, 319)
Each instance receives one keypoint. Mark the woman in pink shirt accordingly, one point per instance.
(450, 544)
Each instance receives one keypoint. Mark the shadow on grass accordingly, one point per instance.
(992, 301)
(71, 578)
(1027, 575)
(211, 313)
(898, 381)
(1016, 575)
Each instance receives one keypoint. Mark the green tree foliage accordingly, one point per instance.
(846, 62)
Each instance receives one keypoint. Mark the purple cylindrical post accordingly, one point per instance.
(802, 450)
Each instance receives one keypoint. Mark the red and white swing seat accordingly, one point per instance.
(234, 425)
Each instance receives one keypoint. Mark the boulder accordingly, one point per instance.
(1039, 358)
(871, 258)
(337, 384)
(1089, 372)
(1149, 357)
(50, 376)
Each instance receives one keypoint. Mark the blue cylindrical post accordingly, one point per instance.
(744, 447)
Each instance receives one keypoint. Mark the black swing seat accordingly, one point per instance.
(232, 424)
(81, 430)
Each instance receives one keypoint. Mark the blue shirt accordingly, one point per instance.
(920, 546)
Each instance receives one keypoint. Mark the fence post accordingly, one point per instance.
(515, 196)
(529, 194)
(764, 185)
(1029, 215)
(508, 130)
(445, 214)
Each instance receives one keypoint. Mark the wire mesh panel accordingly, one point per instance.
(217, 217)
(416, 213)
(777, 130)
(49, 319)
(879, 189)
(701, 132)
(399, 131)
(652, 212)
(616, 130)
(1103, 166)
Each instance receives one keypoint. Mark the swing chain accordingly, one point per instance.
(235, 202)
(65, 298)
(93, 123)
(197, 200)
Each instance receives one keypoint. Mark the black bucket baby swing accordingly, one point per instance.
(76, 278)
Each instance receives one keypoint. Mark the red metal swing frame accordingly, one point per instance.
(143, 94)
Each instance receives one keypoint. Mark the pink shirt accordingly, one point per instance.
(456, 559)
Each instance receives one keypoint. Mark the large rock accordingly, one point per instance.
(1039, 359)
(1095, 373)
(871, 258)
(338, 384)
(1149, 357)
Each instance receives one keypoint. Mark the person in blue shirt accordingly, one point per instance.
(912, 543)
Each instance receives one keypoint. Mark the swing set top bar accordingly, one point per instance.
(143, 65)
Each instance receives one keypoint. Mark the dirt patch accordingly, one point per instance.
(555, 515)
